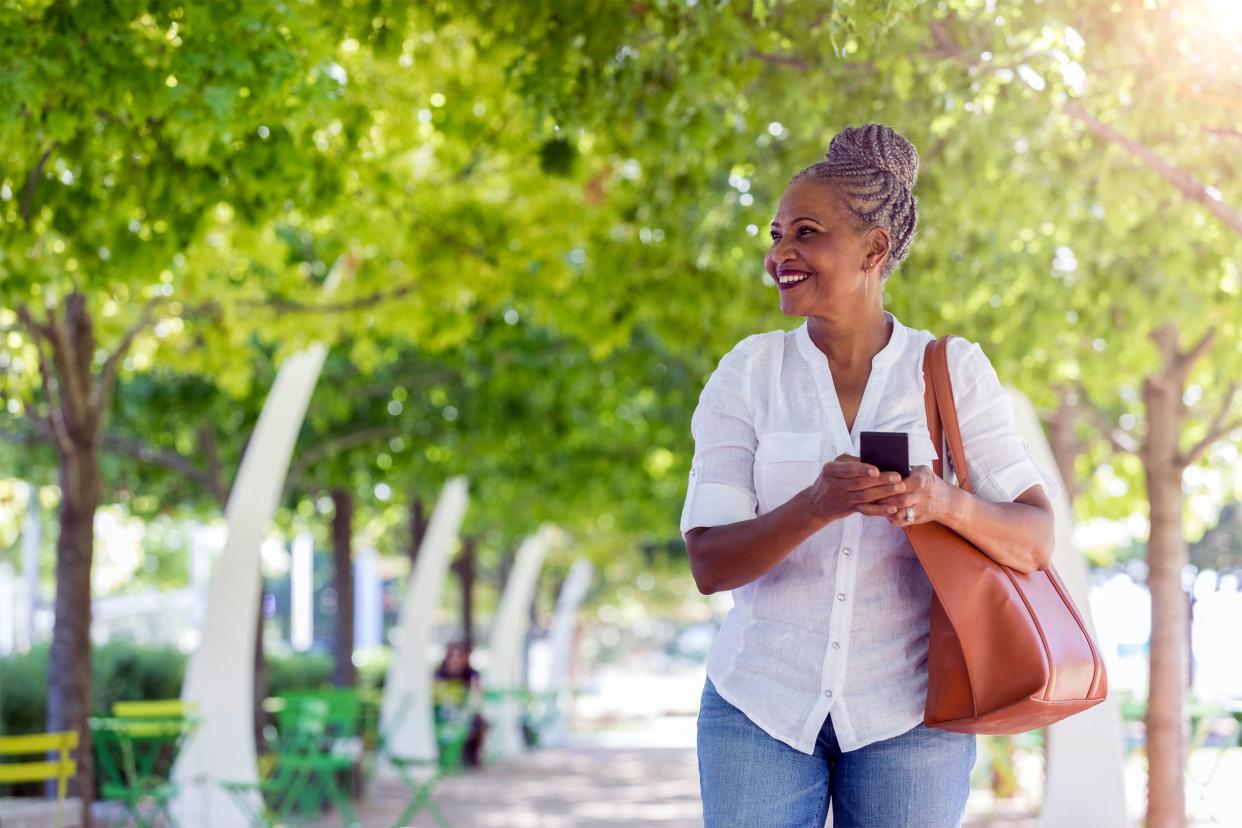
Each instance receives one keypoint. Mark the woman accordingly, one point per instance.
(818, 676)
(458, 690)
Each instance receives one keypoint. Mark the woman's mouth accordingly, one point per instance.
(789, 278)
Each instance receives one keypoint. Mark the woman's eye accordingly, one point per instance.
(800, 229)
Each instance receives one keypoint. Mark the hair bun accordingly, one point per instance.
(877, 147)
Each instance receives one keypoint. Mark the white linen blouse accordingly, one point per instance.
(840, 625)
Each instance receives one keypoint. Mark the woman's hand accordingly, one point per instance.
(845, 485)
(925, 495)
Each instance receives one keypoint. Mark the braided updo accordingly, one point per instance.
(874, 169)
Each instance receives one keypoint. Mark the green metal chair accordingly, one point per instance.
(315, 745)
(420, 776)
(135, 757)
(454, 708)
(41, 769)
(541, 714)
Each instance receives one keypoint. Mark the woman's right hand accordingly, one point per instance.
(845, 482)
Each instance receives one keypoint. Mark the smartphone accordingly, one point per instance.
(888, 451)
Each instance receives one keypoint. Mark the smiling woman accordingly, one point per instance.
(818, 677)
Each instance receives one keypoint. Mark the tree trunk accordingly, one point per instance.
(76, 405)
(507, 560)
(418, 528)
(69, 674)
(344, 674)
(260, 674)
(464, 567)
(1166, 557)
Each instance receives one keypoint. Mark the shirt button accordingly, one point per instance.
(836, 645)
(840, 596)
(828, 694)
(848, 551)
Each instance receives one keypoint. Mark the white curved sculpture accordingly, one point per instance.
(561, 637)
(508, 645)
(406, 714)
(219, 676)
(1085, 782)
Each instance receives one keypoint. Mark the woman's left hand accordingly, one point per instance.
(926, 496)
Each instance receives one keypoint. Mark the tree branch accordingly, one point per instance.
(778, 59)
(40, 333)
(1188, 185)
(1186, 360)
(335, 445)
(107, 375)
(215, 471)
(1229, 133)
(130, 447)
(170, 460)
(1117, 438)
(1218, 429)
(32, 182)
(290, 306)
(74, 397)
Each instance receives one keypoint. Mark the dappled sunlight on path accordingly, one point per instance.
(598, 787)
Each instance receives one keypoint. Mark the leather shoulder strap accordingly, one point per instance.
(934, 429)
(940, 397)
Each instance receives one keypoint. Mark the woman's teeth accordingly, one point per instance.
(793, 278)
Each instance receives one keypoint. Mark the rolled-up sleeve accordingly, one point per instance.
(721, 487)
(999, 461)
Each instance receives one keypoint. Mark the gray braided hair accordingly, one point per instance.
(874, 169)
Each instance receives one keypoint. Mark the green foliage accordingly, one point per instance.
(121, 670)
(125, 671)
(23, 692)
(601, 179)
(302, 671)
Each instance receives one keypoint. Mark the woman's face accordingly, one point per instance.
(818, 253)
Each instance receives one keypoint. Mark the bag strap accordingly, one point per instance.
(941, 410)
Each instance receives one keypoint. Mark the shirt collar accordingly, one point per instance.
(887, 355)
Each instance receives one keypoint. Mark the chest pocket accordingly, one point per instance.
(786, 462)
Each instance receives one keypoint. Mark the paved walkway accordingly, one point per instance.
(572, 787)
(609, 784)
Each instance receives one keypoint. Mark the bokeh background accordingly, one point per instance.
(525, 232)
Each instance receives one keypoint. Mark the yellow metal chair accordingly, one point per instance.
(42, 769)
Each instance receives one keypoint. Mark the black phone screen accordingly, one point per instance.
(888, 451)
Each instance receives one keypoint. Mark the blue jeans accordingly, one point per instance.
(919, 779)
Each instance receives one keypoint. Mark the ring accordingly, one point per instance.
(909, 514)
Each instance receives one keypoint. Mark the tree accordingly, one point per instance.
(124, 128)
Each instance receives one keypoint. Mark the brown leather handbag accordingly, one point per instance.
(1008, 652)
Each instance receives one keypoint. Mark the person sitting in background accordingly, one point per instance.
(458, 697)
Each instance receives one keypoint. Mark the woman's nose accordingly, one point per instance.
(781, 251)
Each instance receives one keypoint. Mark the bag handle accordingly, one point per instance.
(941, 410)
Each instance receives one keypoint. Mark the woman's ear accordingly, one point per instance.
(878, 245)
